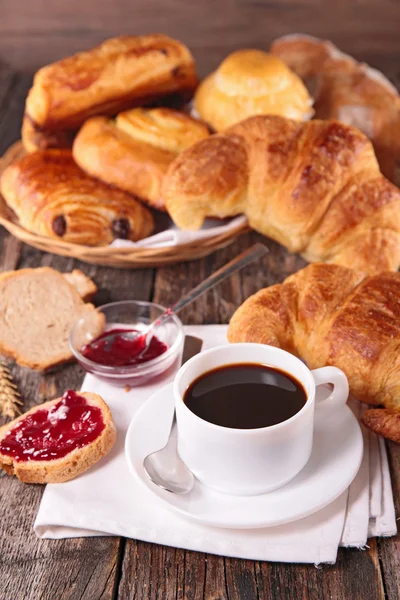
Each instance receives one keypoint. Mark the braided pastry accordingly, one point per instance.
(314, 187)
(331, 315)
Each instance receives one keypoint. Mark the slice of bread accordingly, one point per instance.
(85, 287)
(74, 463)
(38, 308)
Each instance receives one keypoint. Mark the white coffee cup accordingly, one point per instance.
(251, 461)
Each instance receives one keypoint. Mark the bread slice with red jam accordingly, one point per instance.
(58, 440)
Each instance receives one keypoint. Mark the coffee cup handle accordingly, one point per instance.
(338, 379)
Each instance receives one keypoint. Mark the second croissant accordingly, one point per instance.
(314, 187)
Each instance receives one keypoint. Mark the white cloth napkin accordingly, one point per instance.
(167, 234)
(107, 500)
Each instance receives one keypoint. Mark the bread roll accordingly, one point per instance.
(247, 83)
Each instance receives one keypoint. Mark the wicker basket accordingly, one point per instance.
(128, 258)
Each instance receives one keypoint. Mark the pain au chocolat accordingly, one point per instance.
(121, 73)
(331, 315)
(314, 187)
(134, 150)
(52, 196)
(247, 83)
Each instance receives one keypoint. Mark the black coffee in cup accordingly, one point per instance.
(245, 396)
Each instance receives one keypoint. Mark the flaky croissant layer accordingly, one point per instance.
(331, 315)
(314, 187)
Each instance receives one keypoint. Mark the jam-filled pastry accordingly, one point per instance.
(349, 91)
(331, 315)
(251, 82)
(134, 151)
(38, 308)
(118, 74)
(52, 196)
(58, 440)
(314, 187)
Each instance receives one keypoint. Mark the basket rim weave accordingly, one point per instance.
(105, 255)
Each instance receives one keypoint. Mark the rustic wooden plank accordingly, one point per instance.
(12, 109)
(241, 580)
(10, 250)
(153, 572)
(389, 549)
(46, 31)
(355, 575)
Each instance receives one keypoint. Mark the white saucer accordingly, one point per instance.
(335, 460)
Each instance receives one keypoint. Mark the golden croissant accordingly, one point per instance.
(314, 187)
(331, 315)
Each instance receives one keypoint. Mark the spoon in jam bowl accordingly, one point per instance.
(139, 341)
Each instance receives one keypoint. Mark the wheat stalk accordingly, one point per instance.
(10, 399)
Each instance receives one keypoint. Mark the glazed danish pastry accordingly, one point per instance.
(251, 82)
(134, 151)
(121, 73)
(52, 196)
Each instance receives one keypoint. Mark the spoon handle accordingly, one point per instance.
(245, 258)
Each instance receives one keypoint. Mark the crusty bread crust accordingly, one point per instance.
(85, 286)
(73, 464)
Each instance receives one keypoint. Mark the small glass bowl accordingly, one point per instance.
(128, 314)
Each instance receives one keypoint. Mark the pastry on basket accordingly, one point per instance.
(38, 308)
(52, 196)
(58, 440)
(134, 151)
(251, 82)
(314, 187)
(350, 91)
(121, 73)
(331, 315)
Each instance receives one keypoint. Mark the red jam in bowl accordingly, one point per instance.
(122, 351)
(52, 433)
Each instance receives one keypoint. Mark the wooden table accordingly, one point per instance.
(117, 568)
